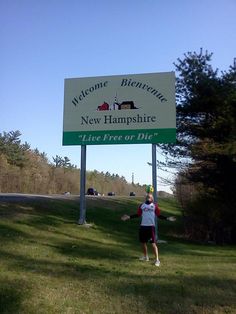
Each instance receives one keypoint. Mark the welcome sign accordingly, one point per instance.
(121, 109)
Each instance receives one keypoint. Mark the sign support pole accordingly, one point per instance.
(154, 180)
(154, 171)
(82, 218)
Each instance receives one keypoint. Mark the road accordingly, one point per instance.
(18, 197)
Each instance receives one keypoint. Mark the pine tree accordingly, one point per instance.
(206, 143)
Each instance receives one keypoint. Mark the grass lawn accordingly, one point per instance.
(49, 264)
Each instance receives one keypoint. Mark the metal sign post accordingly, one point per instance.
(154, 180)
(154, 171)
(82, 218)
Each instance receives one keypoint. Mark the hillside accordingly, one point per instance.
(49, 264)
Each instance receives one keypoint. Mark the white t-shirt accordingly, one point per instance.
(148, 213)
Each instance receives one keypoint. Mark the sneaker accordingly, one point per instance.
(157, 263)
(144, 258)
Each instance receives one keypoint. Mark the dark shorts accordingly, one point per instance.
(147, 234)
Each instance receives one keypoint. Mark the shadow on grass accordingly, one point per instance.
(188, 249)
(75, 255)
(64, 209)
(55, 213)
(12, 294)
(155, 289)
(11, 233)
(185, 294)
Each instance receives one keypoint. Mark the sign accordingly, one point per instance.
(120, 109)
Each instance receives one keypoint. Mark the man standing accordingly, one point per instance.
(147, 211)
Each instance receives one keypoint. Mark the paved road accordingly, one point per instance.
(17, 197)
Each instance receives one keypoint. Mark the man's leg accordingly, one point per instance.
(155, 250)
(145, 253)
(144, 247)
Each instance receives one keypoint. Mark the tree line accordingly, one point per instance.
(26, 170)
(205, 152)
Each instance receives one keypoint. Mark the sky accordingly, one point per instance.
(44, 42)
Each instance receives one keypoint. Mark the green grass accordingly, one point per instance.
(49, 264)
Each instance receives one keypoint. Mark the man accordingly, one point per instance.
(147, 211)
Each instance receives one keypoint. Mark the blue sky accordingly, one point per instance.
(43, 42)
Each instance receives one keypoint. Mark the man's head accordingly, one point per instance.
(149, 198)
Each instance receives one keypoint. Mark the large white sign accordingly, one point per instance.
(122, 109)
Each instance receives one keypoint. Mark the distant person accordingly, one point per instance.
(147, 211)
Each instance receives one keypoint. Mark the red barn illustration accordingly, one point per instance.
(104, 106)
